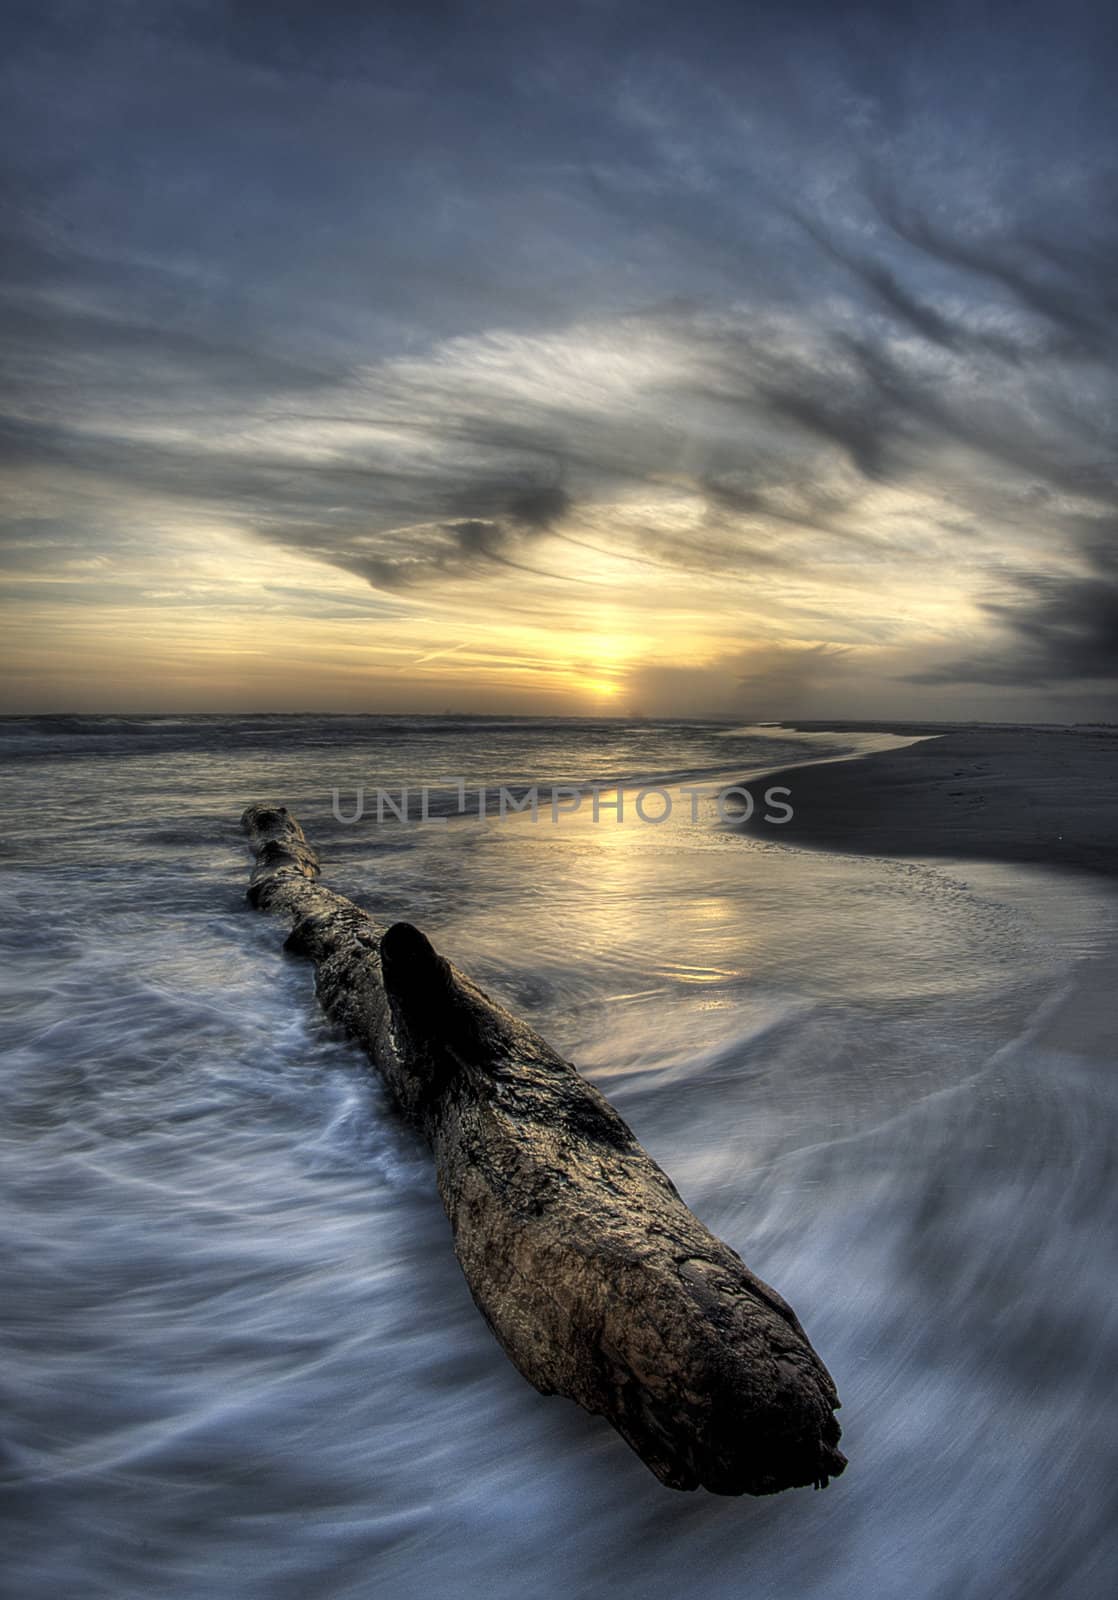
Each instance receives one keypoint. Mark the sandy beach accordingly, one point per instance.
(1002, 793)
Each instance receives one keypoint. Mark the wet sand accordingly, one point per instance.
(1035, 794)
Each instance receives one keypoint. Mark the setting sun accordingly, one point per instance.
(601, 688)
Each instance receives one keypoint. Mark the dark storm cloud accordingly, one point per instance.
(1059, 627)
(434, 292)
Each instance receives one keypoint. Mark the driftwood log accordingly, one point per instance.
(595, 1278)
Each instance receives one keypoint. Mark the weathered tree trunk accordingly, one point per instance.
(594, 1276)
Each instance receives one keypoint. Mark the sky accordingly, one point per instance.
(596, 358)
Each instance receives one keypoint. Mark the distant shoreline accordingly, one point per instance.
(1042, 795)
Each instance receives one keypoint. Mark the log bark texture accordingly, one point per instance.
(596, 1279)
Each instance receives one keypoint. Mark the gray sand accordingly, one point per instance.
(1044, 795)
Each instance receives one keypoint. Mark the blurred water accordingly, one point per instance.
(238, 1356)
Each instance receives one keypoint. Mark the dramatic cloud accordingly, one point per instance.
(1060, 627)
(696, 358)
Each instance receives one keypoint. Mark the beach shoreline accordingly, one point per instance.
(1041, 795)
